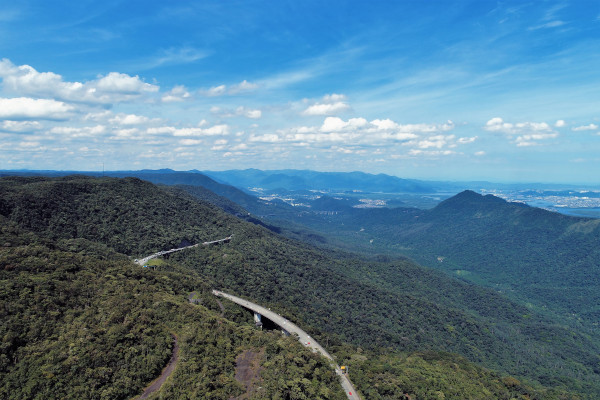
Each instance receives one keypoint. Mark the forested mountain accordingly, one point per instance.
(80, 321)
(418, 310)
(547, 259)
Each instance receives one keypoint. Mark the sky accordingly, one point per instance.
(504, 91)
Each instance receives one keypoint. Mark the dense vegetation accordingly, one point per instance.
(110, 302)
(81, 322)
(545, 259)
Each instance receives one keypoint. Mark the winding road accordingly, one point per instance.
(304, 338)
(143, 261)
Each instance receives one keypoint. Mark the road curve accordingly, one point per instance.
(143, 261)
(304, 338)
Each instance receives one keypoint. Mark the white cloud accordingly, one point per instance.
(98, 116)
(221, 90)
(129, 119)
(178, 94)
(560, 123)
(326, 109)
(465, 140)
(498, 125)
(20, 108)
(359, 132)
(239, 112)
(79, 132)
(20, 126)
(215, 91)
(415, 152)
(116, 82)
(590, 127)
(333, 98)
(248, 113)
(328, 105)
(216, 130)
(190, 142)
(243, 86)
(480, 153)
(528, 133)
(114, 87)
(335, 124)
(241, 146)
(266, 138)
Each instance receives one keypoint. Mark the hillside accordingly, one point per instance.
(432, 312)
(546, 259)
(80, 321)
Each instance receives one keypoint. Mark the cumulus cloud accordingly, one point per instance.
(238, 112)
(116, 82)
(241, 146)
(326, 109)
(248, 112)
(498, 125)
(190, 142)
(20, 126)
(330, 104)
(465, 140)
(129, 119)
(178, 94)
(333, 124)
(417, 152)
(560, 123)
(114, 87)
(79, 132)
(528, 133)
(20, 108)
(216, 130)
(590, 127)
(360, 132)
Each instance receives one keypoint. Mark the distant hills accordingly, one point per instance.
(312, 180)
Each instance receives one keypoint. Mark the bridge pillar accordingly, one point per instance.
(258, 320)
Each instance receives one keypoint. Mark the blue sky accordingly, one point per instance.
(502, 91)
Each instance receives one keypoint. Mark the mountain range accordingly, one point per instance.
(515, 294)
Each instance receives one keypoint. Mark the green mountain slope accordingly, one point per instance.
(318, 290)
(82, 322)
(547, 259)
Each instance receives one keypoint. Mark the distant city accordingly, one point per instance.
(582, 203)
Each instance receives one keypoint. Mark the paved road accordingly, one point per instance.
(304, 338)
(143, 261)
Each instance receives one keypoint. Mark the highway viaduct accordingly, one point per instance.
(292, 328)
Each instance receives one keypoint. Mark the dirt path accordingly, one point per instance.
(222, 308)
(167, 371)
(247, 371)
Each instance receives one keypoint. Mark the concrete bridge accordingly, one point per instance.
(143, 261)
(290, 327)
